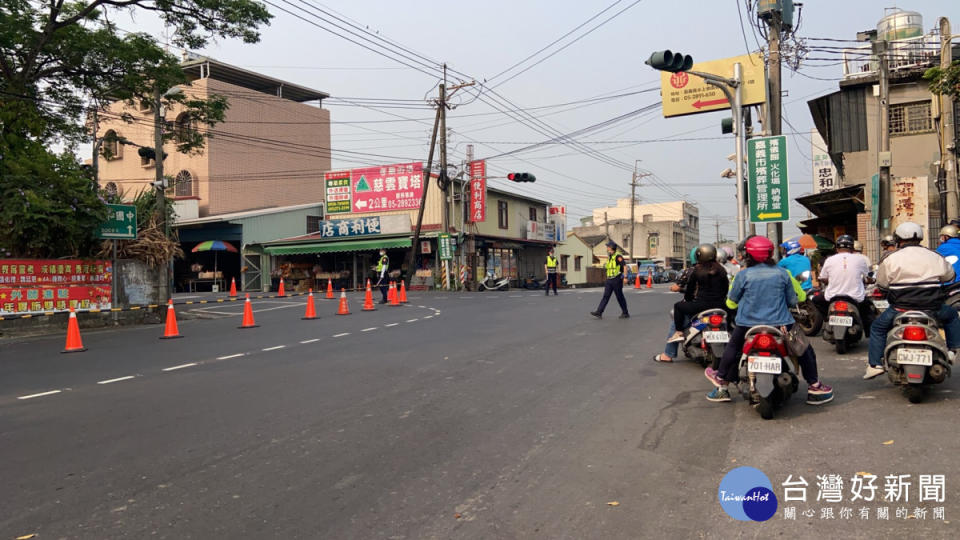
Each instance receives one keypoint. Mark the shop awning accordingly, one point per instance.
(337, 247)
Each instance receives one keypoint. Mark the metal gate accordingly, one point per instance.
(253, 272)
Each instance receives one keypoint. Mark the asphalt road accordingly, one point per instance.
(476, 415)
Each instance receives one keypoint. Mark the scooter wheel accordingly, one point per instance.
(914, 393)
(765, 408)
(841, 346)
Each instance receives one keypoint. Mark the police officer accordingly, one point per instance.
(551, 268)
(614, 283)
(382, 267)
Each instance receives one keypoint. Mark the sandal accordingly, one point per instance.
(659, 358)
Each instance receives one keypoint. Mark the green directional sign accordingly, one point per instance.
(767, 185)
(121, 223)
(445, 249)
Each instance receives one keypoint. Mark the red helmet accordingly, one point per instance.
(760, 248)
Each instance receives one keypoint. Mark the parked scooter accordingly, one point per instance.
(706, 337)
(768, 376)
(844, 327)
(916, 356)
(532, 283)
(493, 283)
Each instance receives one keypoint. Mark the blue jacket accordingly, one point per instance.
(764, 295)
(798, 264)
(950, 250)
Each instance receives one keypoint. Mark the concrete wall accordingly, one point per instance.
(268, 227)
(137, 283)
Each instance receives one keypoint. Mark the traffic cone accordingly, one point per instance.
(74, 343)
(171, 331)
(280, 292)
(233, 287)
(343, 309)
(247, 315)
(311, 308)
(649, 280)
(329, 289)
(636, 284)
(403, 293)
(368, 299)
(394, 297)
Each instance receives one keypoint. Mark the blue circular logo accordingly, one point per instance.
(746, 494)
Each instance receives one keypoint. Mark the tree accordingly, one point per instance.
(945, 82)
(58, 60)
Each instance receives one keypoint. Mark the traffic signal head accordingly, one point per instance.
(670, 61)
(726, 125)
(521, 177)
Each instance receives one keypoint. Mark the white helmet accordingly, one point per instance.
(909, 231)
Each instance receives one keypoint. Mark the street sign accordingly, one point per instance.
(121, 223)
(685, 93)
(444, 248)
(478, 191)
(768, 191)
(339, 197)
(824, 173)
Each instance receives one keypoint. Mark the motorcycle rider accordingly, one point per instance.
(843, 276)
(797, 263)
(888, 244)
(949, 248)
(764, 293)
(913, 277)
(672, 348)
(707, 289)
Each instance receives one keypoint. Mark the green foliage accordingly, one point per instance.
(945, 82)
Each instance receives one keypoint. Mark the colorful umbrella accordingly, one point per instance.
(214, 246)
(813, 241)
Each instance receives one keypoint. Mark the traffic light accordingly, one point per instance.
(521, 177)
(670, 61)
(726, 125)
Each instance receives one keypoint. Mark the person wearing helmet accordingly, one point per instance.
(888, 245)
(797, 263)
(614, 282)
(843, 276)
(707, 289)
(913, 277)
(764, 294)
(672, 348)
(949, 248)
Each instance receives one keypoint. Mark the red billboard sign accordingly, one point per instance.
(40, 285)
(387, 187)
(478, 191)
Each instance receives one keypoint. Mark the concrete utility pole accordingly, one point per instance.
(884, 159)
(634, 184)
(164, 289)
(774, 26)
(948, 146)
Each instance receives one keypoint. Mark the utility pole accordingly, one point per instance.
(444, 194)
(774, 27)
(948, 146)
(161, 202)
(716, 225)
(884, 159)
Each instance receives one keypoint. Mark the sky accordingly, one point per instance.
(596, 77)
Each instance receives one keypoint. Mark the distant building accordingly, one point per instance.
(576, 256)
(665, 232)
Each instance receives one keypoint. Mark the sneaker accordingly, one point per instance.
(624, 315)
(819, 393)
(719, 395)
(873, 371)
(597, 314)
(677, 336)
(713, 376)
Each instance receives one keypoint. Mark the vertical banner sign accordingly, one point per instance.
(444, 249)
(824, 173)
(478, 191)
(38, 286)
(338, 192)
(768, 192)
(387, 187)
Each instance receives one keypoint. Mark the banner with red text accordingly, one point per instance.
(44, 285)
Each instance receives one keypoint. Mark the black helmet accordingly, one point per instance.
(706, 253)
(742, 247)
(612, 244)
(845, 241)
(888, 240)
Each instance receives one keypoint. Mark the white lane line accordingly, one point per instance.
(463, 297)
(118, 379)
(516, 296)
(391, 324)
(369, 329)
(181, 366)
(422, 307)
(268, 349)
(428, 317)
(412, 320)
(342, 334)
(304, 342)
(41, 394)
(230, 356)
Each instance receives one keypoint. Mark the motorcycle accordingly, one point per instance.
(844, 327)
(532, 283)
(806, 313)
(766, 370)
(493, 283)
(706, 337)
(916, 356)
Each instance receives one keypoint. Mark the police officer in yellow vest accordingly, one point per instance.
(551, 268)
(383, 266)
(614, 283)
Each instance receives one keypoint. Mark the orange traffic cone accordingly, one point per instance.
(329, 288)
(74, 343)
(311, 308)
(233, 287)
(403, 293)
(394, 297)
(281, 292)
(171, 331)
(649, 280)
(636, 283)
(368, 299)
(343, 309)
(247, 314)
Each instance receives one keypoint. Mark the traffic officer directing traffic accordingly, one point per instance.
(382, 266)
(614, 283)
(551, 267)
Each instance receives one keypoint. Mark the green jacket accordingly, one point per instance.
(801, 295)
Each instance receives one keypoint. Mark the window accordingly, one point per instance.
(677, 243)
(145, 161)
(313, 224)
(183, 184)
(145, 106)
(533, 213)
(910, 118)
(503, 219)
(564, 262)
(577, 263)
(183, 126)
(111, 148)
(111, 189)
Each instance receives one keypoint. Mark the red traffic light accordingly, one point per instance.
(521, 177)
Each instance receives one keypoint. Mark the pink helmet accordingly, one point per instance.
(760, 248)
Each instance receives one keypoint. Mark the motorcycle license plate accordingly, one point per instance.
(837, 320)
(881, 304)
(716, 336)
(763, 364)
(915, 357)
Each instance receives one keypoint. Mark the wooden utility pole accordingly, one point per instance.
(948, 146)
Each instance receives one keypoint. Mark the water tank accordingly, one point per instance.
(900, 24)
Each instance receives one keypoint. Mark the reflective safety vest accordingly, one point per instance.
(384, 261)
(613, 269)
(551, 264)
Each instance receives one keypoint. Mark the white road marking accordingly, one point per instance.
(304, 342)
(391, 324)
(369, 329)
(463, 297)
(341, 335)
(428, 317)
(41, 394)
(413, 320)
(181, 366)
(273, 348)
(422, 307)
(230, 356)
(118, 379)
(516, 296)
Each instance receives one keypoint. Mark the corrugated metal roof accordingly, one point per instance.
(246, 214)
(258, 82)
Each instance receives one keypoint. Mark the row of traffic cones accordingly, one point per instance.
(637, 284)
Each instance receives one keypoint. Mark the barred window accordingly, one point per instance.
(183, 184)
(910, 118)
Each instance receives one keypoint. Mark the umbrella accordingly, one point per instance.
(813, 241)
(214, 246)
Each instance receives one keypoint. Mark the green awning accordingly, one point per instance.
(336, 247)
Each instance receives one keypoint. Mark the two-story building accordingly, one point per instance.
(664, 232)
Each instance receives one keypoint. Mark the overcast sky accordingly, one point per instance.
(482, 39)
